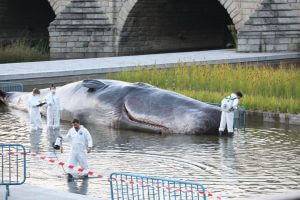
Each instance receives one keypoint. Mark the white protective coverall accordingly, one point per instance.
(227, 118)
(53, 110)
(34, 112)
(80, 140)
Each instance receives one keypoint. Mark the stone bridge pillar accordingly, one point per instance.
(274, 26)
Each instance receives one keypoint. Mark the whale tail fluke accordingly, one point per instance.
(2, 97)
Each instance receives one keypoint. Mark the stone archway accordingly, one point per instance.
(25, 19)
(166, 26)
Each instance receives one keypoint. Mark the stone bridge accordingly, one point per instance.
(100, 28)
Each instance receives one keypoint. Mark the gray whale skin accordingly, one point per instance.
(132, 106)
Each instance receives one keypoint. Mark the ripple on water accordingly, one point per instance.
(262, 160)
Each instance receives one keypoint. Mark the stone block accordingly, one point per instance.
(71, 44)
(78, 50)
(94, 49)
(254, 41)
(74, 38)
(84, 38)
(53, 34)
(57, 44)
(284, 40)
(296, 40)
(74, 55)
(242, 41)
(243, 48)
(254, 48)
(281, 47)
(270, 47)
(107, 49)
(90, 55)
(55, 50)
(294, 47)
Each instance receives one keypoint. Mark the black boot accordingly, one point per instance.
(70, 177)
(221, 133)
(230, 133)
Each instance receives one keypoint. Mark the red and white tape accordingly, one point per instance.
(92, 173)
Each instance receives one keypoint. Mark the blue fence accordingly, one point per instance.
(11, 87)
(131, 186)
(239, 116)
(13, 165)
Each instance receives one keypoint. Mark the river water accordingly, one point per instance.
(262, 160)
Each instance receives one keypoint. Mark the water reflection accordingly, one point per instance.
(235, 167)
(35, 140)
(78, 186)
(228, 155)
(52, 134)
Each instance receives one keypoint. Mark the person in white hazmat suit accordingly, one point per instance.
(53, 109)
(228, 105)
(34, 105)
(81, 144)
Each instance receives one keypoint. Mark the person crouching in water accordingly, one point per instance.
(81, 144)
(228, 105)
(53, 110)
(34, 104)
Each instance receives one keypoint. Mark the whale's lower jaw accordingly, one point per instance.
(128, 121)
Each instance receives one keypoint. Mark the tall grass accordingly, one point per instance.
(265, 88)
(24, 50)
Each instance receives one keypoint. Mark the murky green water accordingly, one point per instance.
(262, 160)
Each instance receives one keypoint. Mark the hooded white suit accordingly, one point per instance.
(80, 140)
(227, 117)
(53, 111)
(34, 112)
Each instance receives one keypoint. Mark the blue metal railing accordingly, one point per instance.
(132, 186)
(11, 87)
(12, 165)
(239, 116)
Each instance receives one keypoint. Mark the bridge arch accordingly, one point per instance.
(25, 19)
(157, 26)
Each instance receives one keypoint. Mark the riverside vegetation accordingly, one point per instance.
(24, 50)
(265, 88)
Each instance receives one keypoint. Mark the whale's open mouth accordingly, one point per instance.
(148, 124)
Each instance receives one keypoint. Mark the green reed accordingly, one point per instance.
(265, 88)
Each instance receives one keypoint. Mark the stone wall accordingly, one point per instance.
(82, 30)
(275, 26)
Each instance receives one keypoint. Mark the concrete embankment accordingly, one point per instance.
(28, 192)
(286, 118)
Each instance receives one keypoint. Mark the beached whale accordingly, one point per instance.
(133, 106)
